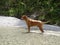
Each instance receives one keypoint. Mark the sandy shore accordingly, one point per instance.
(18, 36)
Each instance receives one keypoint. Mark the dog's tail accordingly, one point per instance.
(46, 22)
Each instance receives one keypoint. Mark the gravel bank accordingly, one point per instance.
(18, 36)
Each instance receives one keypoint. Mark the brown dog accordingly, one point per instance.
(31, 22)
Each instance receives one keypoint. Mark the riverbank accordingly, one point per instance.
(18, 36)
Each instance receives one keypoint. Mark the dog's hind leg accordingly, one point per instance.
(41, 29)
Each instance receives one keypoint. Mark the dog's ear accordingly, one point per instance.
(23, 17)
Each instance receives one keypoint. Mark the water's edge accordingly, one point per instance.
(14, 22)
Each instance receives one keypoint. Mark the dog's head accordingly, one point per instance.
(23, 17)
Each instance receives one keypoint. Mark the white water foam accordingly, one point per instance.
(52, 33)
(46, 33)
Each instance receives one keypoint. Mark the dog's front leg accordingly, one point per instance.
(28, 29)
